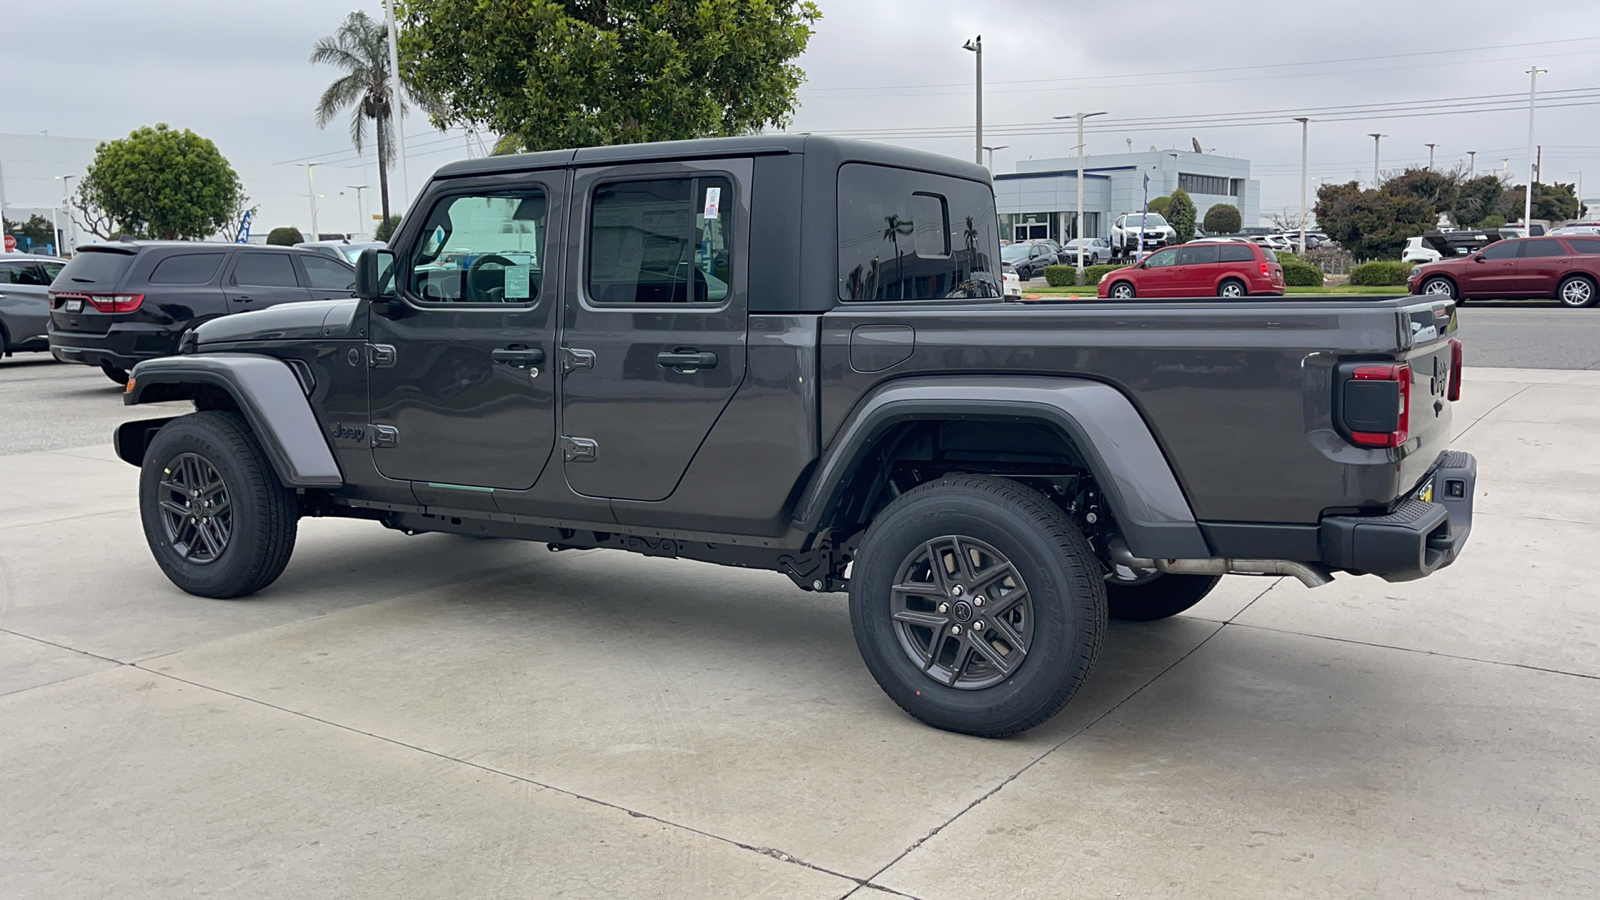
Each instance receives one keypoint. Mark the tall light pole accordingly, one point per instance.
(1527, 196)
(1579, 173)
(361, 212)
(311, 192)
(1505, 167)
(69, 239)
(397, 108)
(1079, 228)
(976, 45)
(1430, 155)
(1472, 163)
(1376, 139)
(1305, 140)
(991, 153)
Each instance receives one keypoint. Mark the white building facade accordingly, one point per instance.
(1040, 199)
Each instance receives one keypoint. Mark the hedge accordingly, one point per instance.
(1298, 274)
(1093, 274)
(285, 236)
(1061, 276)
(1381, 273)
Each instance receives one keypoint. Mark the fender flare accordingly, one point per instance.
(1102, 423)
(268, 394)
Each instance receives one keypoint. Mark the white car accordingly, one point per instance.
(1095, 251)
(1013, 284)
(1419, 252)
(1125, 233)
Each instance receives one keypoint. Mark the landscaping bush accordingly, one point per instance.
(1061, 276)
(1222, 219)
(1298, 274)
(1093, 274)
(1380, 273)
(1492, 221)
(285, 237)
(385, 229)
(1180, 215)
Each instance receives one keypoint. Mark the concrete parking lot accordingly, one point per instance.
(435, 716)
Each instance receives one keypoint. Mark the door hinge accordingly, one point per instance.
(577, 449)
(380, 356)
(573, 358)
(385, 436)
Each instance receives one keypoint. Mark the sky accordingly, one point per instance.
(1233, 72)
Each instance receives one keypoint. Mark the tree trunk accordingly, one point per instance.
(383, 165)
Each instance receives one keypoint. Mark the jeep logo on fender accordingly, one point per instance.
(342, 432)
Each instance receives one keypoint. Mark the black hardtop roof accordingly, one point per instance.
(703, 148)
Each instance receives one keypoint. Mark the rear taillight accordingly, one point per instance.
(1376, 404)
(114, 303)
(1265, 270)
(1455, 370)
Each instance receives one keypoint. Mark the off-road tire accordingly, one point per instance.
(120, 376)
(264, 517)
(1062, 577)
(1161, 598)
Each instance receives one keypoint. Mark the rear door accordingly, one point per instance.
(258, 279)
(653, 329)
(24, 298)
(1198, 269)
(1544, 262)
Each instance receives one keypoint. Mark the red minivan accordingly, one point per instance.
(1216, 269)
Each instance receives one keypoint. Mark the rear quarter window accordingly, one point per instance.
(186, 268)
(1585, 246)
(93, 270)
(907, 235)
(1235, 253)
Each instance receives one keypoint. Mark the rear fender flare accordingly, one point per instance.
(1102, 423)
(269, 396)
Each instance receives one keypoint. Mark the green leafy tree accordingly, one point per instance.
(1223, 219)
(1372, 223)
(285, 236)
(386, 228)
(547, 74)
(361, 48)
(1551, 202)
(1160, 205)
(1492, 220)
(1181, 214)
(162, 183)
(37, 230)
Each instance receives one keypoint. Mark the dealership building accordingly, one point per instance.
(1040, 199)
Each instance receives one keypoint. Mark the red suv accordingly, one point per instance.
(1220, 269)
(1564, 268)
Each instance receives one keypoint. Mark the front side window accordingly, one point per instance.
(1162, 258)
(907, 235)
(327, 275)
(265, 270)
(480, 248)
(664, 241)
(1504, 250)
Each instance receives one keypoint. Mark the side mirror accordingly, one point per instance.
(1478, 257)
(375, 274)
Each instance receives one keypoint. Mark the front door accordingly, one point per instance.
(262, 278)
(1160, 278)
(654, 323)
(459, 372)
(1496, 275)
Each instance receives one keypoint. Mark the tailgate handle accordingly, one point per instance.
(684, 360)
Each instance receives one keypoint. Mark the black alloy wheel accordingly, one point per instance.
(962, 612)
(196, 515)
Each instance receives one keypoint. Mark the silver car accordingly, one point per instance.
(343, 251)
(25, 301)
(1095, 251)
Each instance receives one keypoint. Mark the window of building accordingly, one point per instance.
(1205, 184)
(666, 241)
(327, 275)
(480, 248)
(186, 268)
(887, 248)
(265, 270)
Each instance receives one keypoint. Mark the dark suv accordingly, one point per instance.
(116, 304)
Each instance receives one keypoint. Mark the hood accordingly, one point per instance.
(311, 320)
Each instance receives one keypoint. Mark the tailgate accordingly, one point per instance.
(1429, 338)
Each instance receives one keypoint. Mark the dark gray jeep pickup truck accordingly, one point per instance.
(792, 353)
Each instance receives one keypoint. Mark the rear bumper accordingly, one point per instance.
(1417, 539)
(121, 348)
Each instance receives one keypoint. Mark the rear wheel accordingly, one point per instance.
(977, 605)
(216, 518)
(1439, 287)
(1231, 288)
(1163, 596)
(1576, 292)
(1122, 290)
(120, 376)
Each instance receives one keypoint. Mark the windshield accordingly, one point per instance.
(1151, 220)
(1014, 251)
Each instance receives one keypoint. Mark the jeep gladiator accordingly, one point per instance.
(793, 353)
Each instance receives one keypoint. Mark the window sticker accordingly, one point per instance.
(713, 199)
(517, 280)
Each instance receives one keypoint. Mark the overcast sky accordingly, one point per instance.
(237, 72)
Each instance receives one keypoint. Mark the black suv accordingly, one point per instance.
(116, 304)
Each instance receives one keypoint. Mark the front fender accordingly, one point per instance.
(268, 395)
(1117, 447)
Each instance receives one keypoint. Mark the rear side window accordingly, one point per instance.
(1547, 247)
(186, 268)
(1235, 253)
(327, 275)
(1584, 245)
(265, 270)
(1267, 252)
(663, 241)
(907, 235)
(90, 270)
(1197, 254)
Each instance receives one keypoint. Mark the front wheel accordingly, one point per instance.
(1439, 287)
(1122, 290)
(120, 376)
(217, 519)
(1576, 292)
(977, 605)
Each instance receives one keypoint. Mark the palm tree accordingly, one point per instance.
(894, 228)
(361, 48)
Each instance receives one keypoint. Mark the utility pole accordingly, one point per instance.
(976, 45)
(69, 238)
(311, 192)
(397, 112)
(1305, 139)
(361, 211)
(1527, 196)
(1376, 138)
(1430, 155)
(1472, 163)
(1079, 229)
(991, 154)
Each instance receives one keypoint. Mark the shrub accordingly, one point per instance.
(1298, 274)
(1061, 276)
(1380, 273)
(1223, 219)
(1180, 215)
(1492, 221)
(1093, 274)
(1160, 205)
(386, 228)
(285, 237)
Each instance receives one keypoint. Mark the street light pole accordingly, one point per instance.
(1376, 138)
(976, 45)
(1472, 163)
(991, 153)
(1527, 196)
(361, 212)
(1430, 155)
(70, 236)
(397, 107)
(311, 192)
(1305, 139)
(1079, 229)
